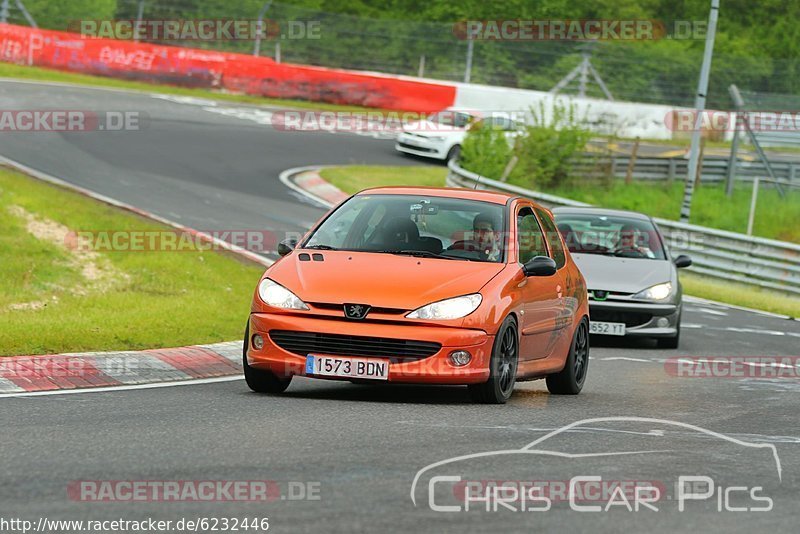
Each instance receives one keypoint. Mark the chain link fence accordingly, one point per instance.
(663, 71)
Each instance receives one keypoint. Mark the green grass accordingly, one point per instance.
(354, 178)
(149, 300)
(776, 217)
(9, 70)
(782, 217)
(739, 294)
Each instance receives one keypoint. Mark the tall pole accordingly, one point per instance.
(470, 48)
(700, 106)
(732, 160)
(257, 45)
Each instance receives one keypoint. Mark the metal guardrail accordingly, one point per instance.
(756, 261)
(714, 169)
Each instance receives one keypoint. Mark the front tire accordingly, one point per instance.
(260, 380)
(453, 153)
(570, 380)
(502, 367)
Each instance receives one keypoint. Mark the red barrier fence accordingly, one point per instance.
(241, 73)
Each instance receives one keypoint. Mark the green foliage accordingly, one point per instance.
(546, 146)
(486, 151)
(757, 47)
(57, 15)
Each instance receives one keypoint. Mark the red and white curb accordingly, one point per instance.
(22, 374)
(308, 182)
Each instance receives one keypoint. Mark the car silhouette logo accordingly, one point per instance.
(355, 311)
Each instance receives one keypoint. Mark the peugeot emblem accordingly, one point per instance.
(356, 311)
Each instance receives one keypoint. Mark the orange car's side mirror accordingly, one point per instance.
(286, 246)
(540, 266)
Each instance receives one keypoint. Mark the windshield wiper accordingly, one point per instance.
(420, 254)
(321, 247)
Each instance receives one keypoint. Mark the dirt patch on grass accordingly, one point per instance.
(98, 273)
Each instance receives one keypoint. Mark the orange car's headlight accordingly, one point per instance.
(453, 308)
(274, 294)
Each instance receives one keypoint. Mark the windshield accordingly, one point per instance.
(437, 227)
(451, 118)
(611, 235)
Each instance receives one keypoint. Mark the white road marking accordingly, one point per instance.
(712, 312)
(154, 385)
(625, 358)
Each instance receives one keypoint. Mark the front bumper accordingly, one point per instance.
(641, 318)
(420, 146)
(435, 369)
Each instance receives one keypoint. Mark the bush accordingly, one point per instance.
(546, 146)
(486, 151)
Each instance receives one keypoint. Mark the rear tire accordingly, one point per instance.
(502, 367)
(570, 380)
(260, 380)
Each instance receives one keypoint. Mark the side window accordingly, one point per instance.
(530, 241)
(553, 238)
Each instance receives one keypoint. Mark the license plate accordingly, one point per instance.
(347, 367)
(607, 329)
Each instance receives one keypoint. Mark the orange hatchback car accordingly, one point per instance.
(423, 285)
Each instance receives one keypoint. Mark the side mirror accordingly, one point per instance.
(683, 261)
(286, 246)
(540, 266)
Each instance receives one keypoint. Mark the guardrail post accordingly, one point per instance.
(792, 172)
(632, 162)
(671, 170)
(753, 200)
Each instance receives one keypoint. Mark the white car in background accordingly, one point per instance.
(441, 135)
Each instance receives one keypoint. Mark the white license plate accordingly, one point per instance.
(607, 329)
(347, 367)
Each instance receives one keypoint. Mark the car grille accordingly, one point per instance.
(304, 343)
(630, 319)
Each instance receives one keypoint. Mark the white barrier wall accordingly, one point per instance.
(626, 119)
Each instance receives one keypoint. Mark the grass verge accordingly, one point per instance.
(9, 70)
(775, 217)
(355, 178)
(57, 298)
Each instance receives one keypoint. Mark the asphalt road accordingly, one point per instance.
(358, 448)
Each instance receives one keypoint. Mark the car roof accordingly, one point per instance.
(495, 197)
(561, 210)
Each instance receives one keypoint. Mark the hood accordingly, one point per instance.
(380, 280)
(622, 275)
(427, 128)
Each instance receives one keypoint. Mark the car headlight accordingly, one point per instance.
(278, 296)
(454, 308)
(435, 139)
(657, 292)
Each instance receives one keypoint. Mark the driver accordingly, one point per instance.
(629, 242)
(486, 235)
